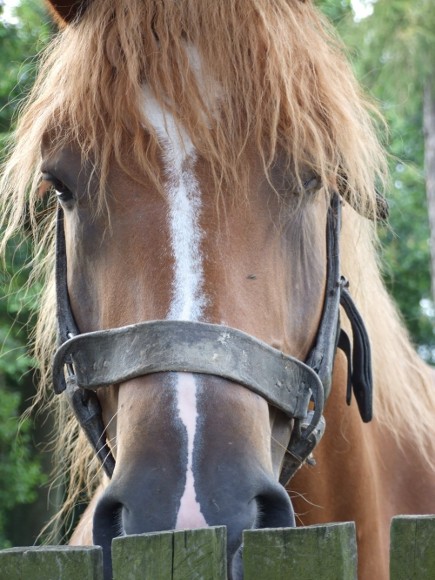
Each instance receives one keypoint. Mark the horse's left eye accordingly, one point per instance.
(63, 193)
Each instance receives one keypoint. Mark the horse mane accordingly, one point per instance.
(281, 81)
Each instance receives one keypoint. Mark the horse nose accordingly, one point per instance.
(270, 508)
(125, 510)
(274, 508)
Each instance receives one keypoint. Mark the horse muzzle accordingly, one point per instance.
(146, 504)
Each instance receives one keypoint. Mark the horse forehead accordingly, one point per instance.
(171, 134)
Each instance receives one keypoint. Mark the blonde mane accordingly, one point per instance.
(282, 83)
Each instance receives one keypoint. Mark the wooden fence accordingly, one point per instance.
(326, 552)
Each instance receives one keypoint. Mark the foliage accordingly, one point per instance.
(389, 50)
(20, 471)
(20, 468)
(336, 10)
(20, 42)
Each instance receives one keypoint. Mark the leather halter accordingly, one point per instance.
(103, 358)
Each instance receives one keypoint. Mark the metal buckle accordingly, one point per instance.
(301, 446)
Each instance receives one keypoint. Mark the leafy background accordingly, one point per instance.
(393, 52)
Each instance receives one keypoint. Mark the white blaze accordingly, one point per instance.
(189, 514)
(188, 300)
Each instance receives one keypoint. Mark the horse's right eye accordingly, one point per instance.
(63, 193)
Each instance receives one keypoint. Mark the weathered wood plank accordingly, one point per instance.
(412, 553)
(174, 555)
(52, 563)
(327, 552)
(199, 555)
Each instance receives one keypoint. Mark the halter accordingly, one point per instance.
(299, 389)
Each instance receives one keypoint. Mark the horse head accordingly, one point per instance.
(191, 449)
(198, 280)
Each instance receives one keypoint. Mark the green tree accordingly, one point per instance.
(21, 474)
(393, 52)
(20, 43)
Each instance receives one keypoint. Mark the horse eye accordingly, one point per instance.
(63, 193)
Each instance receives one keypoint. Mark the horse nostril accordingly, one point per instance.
(275, 509)
(108, 519)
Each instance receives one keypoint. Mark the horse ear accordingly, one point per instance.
(67, 11)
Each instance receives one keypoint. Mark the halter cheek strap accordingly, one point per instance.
(85, 362)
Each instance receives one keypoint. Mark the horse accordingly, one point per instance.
(209, 168)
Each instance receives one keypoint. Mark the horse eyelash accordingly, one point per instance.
(63, 193)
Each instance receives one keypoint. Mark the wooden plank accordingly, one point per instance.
(412, 553)
(52, 563)
(200, 554)
(174, 555)
(142, 556)
(10, 563)
(327, 552)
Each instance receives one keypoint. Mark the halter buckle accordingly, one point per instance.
(301, 446)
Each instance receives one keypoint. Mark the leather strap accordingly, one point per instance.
(346, 347)
(66, 324)
(361, 367)
(114, 356)
(87, 410)
(322, 355)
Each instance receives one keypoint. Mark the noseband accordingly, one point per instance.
(87, 361)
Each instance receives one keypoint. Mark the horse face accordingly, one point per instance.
(191, 450)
